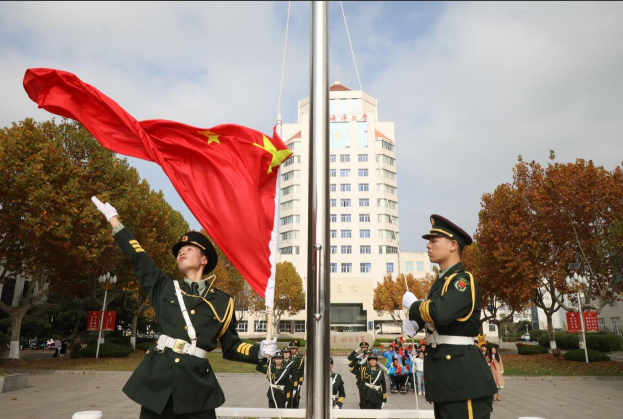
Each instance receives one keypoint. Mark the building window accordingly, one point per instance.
(285, 327)
(491, 326)
(364, 250)
(290, 175)
(333, 202)
(386, 218)
(242, 326)
(390, 267)
(345, 218)
(343, 105)
(259, 326)
(333, 218)
(612, 304)
(364, 202)
(332, 106)
(290, 250)
(362, 158)
(299, 325)
(332, 173)
(344, 158)
(344, 202)
(293, 203)
(334, 268)
(364, 234)
(363, 172)
(362, 134)
(364, 218)
(294, 145)
(602, 324)
(382, 158)
(347, 268)
(332, 158)
(333, 234)
(379, 143)
(289, 235)
(344, 172)
(616, 325)
(290, 190)
(333, 250)
(389, 250)
(420, 266)
(346, 234)
(292, 160)
(354, 106)
(409, 266)
(364, 187)
(347, 250)
(387, 203)
(365, 268)
(388, 234)
(339, 135)
(290, 219)
(333, 187)
(386, 173)
(345, 187)
(381, 187)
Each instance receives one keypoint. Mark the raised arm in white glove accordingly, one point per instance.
(408, 299)
(108, 210)
(410, 327)
(268, 348)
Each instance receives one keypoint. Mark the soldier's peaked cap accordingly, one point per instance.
(373, 356)
(442, 227)
(362, 344)
(295, 344)
(278, 355)
(195, 238)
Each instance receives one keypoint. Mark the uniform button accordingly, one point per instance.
(177, 360)
(192, 311)
(147, 352)
(448, 357)
(426, 354)
(185, 327)
(172, 301)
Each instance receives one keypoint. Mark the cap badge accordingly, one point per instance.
(432, 221)
(184, 239)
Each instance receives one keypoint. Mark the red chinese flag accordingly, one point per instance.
(226, 175)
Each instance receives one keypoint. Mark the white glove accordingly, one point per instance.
(108, 210)
(363, 361)
(410, 327)
(336, 407)
(382, 405)
(407, 299)
(268, 348)
(286, 404)
(294, 393)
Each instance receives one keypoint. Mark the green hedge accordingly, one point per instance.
(603, 342)
(145, 345)
(593, 356)
(531, 350)
(107, 350)
(535, 334)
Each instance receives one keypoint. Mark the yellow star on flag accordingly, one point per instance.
(212, 136)
(278, 155)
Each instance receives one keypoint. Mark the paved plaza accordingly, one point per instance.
(60, 394)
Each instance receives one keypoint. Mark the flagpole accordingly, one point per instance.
(318, 291)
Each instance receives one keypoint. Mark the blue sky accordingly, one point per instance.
(469, 86)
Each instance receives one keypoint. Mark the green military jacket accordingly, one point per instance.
(190, 380)
(299, 362)
(453, 372)
(354, 369)
(280, 377)
(337, 390)
(291, 365)
(373, 387)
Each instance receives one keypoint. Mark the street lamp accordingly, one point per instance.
(107, 282)
(577, 281)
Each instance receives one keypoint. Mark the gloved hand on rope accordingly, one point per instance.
(410, 327)
(407, 299)
(268, 348)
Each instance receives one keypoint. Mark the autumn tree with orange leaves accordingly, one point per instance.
(388, 293)
(530, 230)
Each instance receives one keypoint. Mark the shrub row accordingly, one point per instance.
(593, 356)
(107, 350)
(603, 342)
(531, 349)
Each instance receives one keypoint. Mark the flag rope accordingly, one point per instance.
(351, 47)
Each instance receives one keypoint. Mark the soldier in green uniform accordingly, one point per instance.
(338, 395)
(280, 385)
(291, 365)
(458, 380)
(374, 393)
(175, 379)
(299, 362)
(359, 357)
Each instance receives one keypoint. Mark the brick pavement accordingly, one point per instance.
(60, 394)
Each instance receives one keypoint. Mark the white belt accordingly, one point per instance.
(372, 386)
(438, 339)
(277, 387)
(180, 346)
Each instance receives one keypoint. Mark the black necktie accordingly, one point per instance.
(195, 287)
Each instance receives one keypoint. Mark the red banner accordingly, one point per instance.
(590, 321)
(93, 323)
(573, 322)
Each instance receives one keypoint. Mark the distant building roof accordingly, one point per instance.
(297, 135)
(338, 87)
(378, 134)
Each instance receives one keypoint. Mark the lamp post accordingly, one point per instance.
(577, 281)
(107, 282)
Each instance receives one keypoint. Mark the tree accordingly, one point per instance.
(388, 294)
(548, 218)
(289, 294)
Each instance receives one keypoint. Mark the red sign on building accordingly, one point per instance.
(590, 321)
(93, 323)
(573, 322)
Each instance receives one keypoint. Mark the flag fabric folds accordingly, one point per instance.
(226, 174)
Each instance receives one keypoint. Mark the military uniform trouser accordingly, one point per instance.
(280, 405)
(167, 413)
(465, 409)
(296, 399)
(369, 405)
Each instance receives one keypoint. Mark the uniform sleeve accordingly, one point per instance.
(384, 387)
(341, 393)
(289, 389)
(262, 366)
(148, 273)
(352, 355)
(454, 304)
(234, 349)
(355, 368)
(301, 371)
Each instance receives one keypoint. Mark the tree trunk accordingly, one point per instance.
(134, 326)
(16, 327)
(76, 325)
(550, 330)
